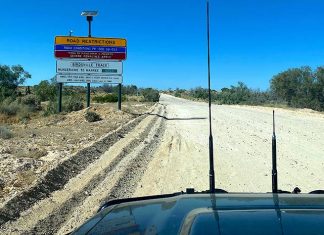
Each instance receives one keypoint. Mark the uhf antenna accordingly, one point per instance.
(211, 148)
(274, 157)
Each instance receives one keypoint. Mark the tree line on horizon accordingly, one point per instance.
(296, 87)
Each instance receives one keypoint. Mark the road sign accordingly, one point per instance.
(89, 55)
(90, 48)
(115, 42)
(89, 67)
(80, 78)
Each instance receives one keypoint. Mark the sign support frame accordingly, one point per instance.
(119, 96)
(89, 19)
(60, 88)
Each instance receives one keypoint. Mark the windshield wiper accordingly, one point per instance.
(319, 191)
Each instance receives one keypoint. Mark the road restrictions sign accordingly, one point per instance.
(114, 42)
(89, 67)
(81, 78)
(90, 48)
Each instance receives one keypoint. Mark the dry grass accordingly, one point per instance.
(24, 179)
(34, 154)
(135, 98)
(8, 119)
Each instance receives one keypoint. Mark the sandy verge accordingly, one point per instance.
(44, 142)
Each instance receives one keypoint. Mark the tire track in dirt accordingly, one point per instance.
(53, 221)
(56, 178)
(120, 184)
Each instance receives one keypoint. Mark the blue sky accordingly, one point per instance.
(251, 40)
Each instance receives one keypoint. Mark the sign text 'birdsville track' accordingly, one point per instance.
(89, 67)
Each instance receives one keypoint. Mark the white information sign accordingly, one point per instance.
(83, 78)
(89, 67)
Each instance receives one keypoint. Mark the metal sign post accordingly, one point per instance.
(89, 19)
(119, 96)
(88, 94)
(60, 87)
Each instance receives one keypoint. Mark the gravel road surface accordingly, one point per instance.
(242, 146)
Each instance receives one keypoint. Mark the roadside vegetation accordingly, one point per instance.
(297, 88)
(92, 116)
(20, 103)
(5, 133)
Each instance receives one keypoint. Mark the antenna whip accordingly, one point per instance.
(211, 148)
(274, 157)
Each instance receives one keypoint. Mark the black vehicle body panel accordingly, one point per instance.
(212, 214)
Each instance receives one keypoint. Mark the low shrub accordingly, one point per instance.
(32, 101)
(92, 117)
(151, 95)
(5, 133)
(199, 93)
(25, 113)
(109, 98)
(9, 100)
(50, 108)
(73, 104)
(23, 107)
(45, 91)
(177, 94)
(69, 104)
(9, 109)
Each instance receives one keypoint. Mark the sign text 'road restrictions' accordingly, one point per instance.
(82, 78)
(89, 67)
(90, 48)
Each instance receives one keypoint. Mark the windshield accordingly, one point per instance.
(107, 100)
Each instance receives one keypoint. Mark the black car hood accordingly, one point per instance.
(213, 214)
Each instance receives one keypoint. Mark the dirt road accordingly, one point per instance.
(242, 146)
(166, 151)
